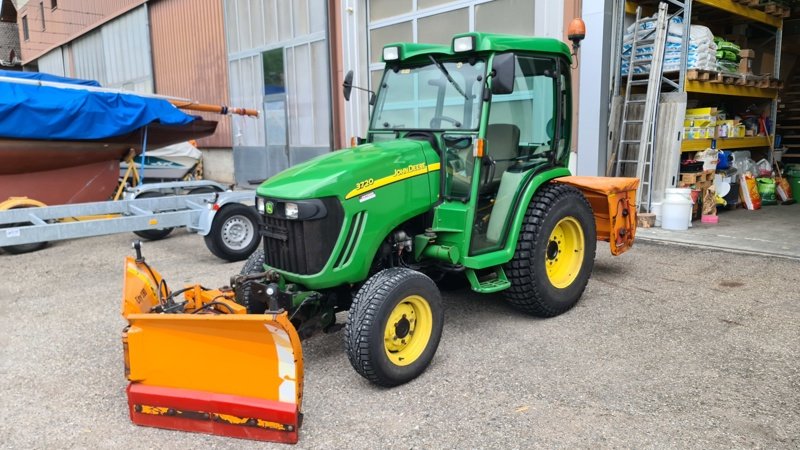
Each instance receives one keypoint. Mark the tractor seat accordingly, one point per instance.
(502, 140)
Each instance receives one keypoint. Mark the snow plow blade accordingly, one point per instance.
(204, 365)
(613, 201)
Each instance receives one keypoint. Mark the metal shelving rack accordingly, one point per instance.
(765, 22)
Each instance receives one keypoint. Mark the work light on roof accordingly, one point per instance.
(464, 44)
(391, 53)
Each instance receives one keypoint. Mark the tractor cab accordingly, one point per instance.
(475, 101)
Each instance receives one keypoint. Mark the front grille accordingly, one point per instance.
(302, 246)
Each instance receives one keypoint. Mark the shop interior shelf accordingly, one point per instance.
(704, 87)
(744, 11)
(695, 145)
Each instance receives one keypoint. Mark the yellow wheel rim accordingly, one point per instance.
(408, 330)
(564, 253)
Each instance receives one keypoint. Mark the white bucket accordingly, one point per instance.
(676, 210)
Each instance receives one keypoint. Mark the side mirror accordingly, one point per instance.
(348, 85)
(503, 73)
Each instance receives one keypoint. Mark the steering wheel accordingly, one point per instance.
(439, 119)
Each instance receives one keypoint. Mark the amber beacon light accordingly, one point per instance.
(576, 32)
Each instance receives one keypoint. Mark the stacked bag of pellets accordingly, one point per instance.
(701, 52)
(727, 56)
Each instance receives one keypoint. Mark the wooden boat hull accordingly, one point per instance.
(92, 182)
(23, 156)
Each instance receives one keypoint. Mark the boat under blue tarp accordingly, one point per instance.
(63, 144)
(50, 113)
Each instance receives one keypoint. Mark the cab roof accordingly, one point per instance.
(485, 42)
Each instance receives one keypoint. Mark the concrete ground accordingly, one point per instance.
(670, 347)
(770, 231)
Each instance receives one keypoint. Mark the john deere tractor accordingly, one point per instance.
(462, 178)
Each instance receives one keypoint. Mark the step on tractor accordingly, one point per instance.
(462, 178)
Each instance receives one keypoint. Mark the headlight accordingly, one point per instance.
(260, 204)
(291, 210)
(391, 53)
(464, 44)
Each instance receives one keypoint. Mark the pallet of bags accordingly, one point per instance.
(701, 52)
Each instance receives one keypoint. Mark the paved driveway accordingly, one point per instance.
(670, 347)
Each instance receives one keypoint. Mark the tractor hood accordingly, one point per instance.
(353, 171)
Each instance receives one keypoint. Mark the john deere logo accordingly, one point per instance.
(269, 207)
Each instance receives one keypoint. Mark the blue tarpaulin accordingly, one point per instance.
(46, 77)
(48, 113)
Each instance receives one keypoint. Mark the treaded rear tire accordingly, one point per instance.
(367, 319)
(531, 290)
(254, 264)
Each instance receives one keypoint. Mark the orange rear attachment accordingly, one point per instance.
(613, 202)
(203, 365)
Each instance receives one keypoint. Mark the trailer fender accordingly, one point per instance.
(19, 202)
(206, 219)
(613, 201)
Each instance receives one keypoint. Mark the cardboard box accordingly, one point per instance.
(747, 53)
(764, 63)
(746, 65)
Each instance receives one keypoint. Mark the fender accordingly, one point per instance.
(19, 202)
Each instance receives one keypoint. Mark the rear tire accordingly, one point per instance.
(394, 326)
(157, 234)
(234, 232)
(555, 252)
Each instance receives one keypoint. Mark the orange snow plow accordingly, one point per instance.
(204, 365)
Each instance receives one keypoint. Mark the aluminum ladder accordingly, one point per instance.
(638, 153)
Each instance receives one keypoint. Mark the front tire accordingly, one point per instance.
(394, 326)
(555, 252)
(254, 264)
(234, 232)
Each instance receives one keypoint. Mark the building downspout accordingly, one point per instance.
(335, 43)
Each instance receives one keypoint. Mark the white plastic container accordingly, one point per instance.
(676, 209)
(655, 208)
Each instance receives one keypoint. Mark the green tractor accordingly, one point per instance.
(461, 179)
(457, 178)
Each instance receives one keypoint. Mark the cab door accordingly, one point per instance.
(521, 140)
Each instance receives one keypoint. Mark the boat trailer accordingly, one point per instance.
(226, 218)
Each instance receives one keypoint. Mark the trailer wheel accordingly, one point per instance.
(22, 248)
(234, 232)
(555, 252)
(254, 264)
(394, 326)
(159, 233)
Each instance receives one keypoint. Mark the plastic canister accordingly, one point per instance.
(795, 182)
(676, 210)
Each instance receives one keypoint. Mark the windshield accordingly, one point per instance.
(439, 95)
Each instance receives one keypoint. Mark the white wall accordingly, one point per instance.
(595, 62)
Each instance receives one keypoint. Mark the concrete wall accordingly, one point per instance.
(218, 164)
